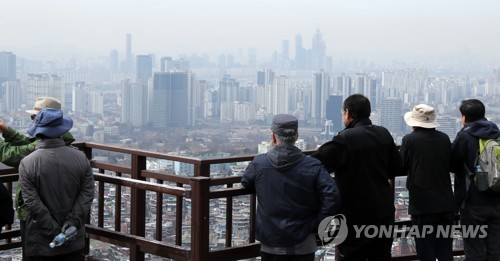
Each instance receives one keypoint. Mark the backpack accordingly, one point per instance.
(488, 165)
(6, 208)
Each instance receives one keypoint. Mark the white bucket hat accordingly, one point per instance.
(43, 103)
(422, 116)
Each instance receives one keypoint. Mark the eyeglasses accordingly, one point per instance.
(33, 116)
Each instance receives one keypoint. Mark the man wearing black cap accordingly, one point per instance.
(295, 193)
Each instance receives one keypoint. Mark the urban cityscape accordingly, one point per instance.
(221, 104)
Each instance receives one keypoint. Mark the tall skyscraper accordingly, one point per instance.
(278, 95)
(113, 61)
(334, 112)
(144, 68)
(265, 77)
(171, 102)
(13, 95)
(318, 52)
(391, 115)
(300, 53)
(319, 95)
(7, 67)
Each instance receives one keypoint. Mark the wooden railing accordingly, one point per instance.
(198, 188)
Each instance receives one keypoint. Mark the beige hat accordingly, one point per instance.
(45, 102)
(422, 116)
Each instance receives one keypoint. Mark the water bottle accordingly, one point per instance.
(481, 178)
(64, 237)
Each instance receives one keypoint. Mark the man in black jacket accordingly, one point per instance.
(294, 192)
(363, 157)
(426, 154)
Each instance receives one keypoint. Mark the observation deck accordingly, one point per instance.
(143, 212)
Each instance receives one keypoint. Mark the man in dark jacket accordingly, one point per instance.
(58, 188)
(295, 193)
(477, 208)
(363, 157)
(426, 154)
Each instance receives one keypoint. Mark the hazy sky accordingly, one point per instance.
(173, 27)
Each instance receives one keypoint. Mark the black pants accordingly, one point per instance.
(271, 257)
(432, 247)
(359, 247)
(478, 248)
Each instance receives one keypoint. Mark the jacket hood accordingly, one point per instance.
(482, 129)
(284, 156)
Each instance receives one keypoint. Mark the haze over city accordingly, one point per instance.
(380, 30)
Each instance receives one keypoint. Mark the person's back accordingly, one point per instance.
(294, 193)
(364, 173)
(477, 208)
(58, 187)
(363, 158)
(426, 154)
(286, 186)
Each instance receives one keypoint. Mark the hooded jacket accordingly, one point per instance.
(294, 194)
(464, 151)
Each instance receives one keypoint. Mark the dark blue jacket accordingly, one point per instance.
(294, 194)
(464, 150)
(364, 157)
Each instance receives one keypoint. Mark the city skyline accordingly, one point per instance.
(384, 29)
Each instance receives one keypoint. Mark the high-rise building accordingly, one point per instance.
(265, 77)
(113, 61)
(39, 85)
(319, 95)
(95, 102)
(449, 125)
(80, 97)
(318, 52)
(300, 53)
(391, 115)
(278, 93)
(171, 102)
(7, 67)
(144, 68)
(13, 95)
(334, 112)
(134, 103)
(128, 54)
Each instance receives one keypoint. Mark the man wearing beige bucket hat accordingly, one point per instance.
(16, 146)
(426, 154)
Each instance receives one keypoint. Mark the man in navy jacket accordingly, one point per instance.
(477, 208)
(294, 192)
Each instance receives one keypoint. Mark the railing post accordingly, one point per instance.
(138, 207)
(200, 215)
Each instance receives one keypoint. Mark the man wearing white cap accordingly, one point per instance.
(426, 154)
